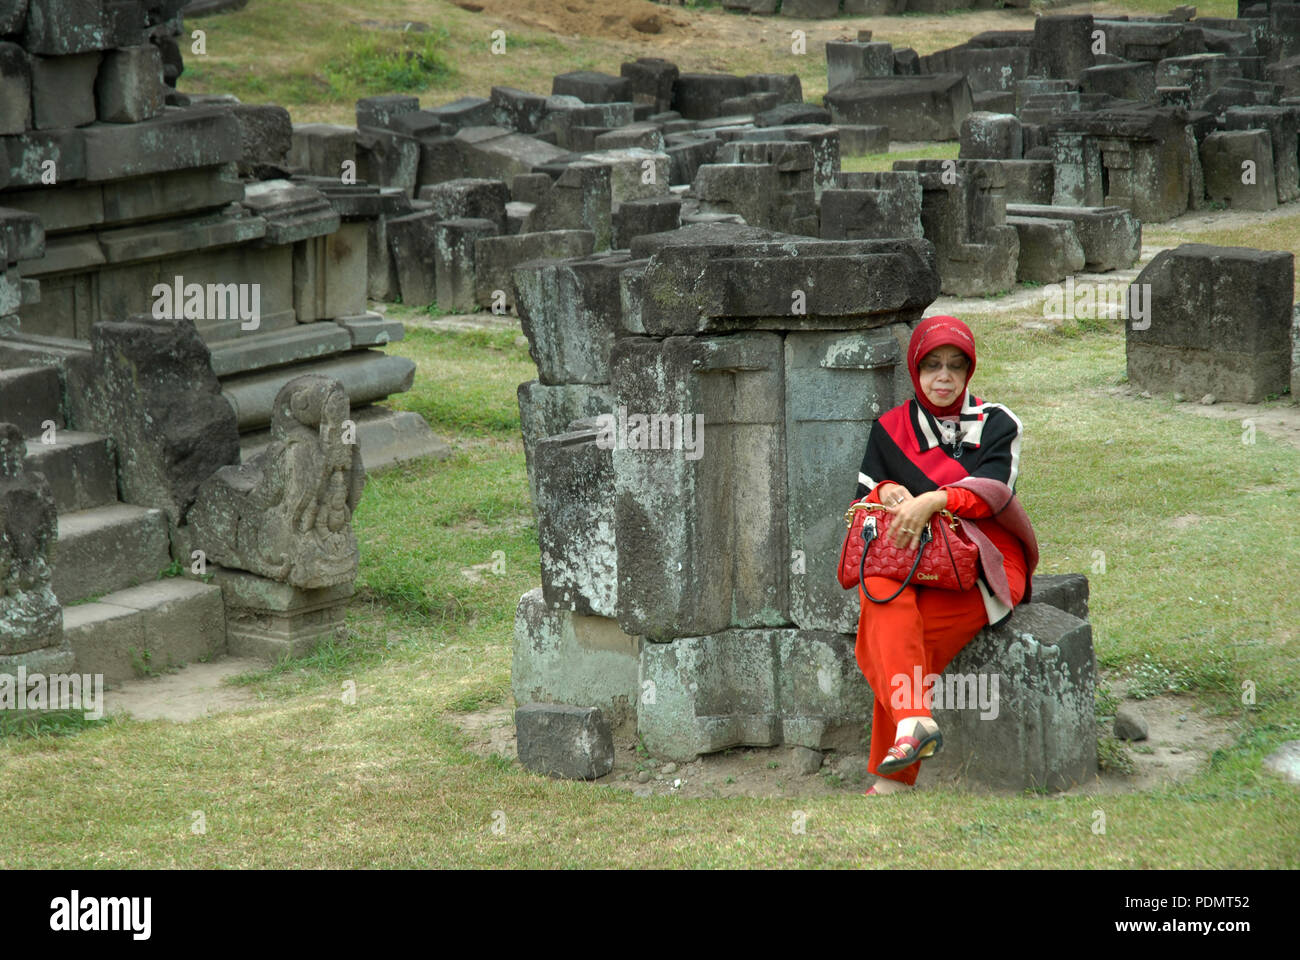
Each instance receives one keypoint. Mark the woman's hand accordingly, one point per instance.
(912, 515)
(890, 492)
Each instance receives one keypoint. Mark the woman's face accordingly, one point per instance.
(943, 375)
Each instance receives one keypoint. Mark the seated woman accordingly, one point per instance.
(943, 449)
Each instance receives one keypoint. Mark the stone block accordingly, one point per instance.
(751, 688)
(565, 741)
(699, 285)
(692, 558)
(644, 136)
(151, 388)
(469, 198)
(465, 112)
(455, 271)
(836, 385)
(381, 111)
(413, 246)
(636, 218)
(1029, 181)
(858, 140)
(699, 96)
(496, 154)
(1110, 236)
(1049, 250)
(1280, 122)
(1203, 73)
(570, 312)
(964, 217)
(15, 89)
(496, 257)
(62, 27)
(548, 410)
(913, 108)
(574, 475)
(323, 148)
(129, 87)
(273, 621)
(1037, 727)
(849, 61)
(592, 87)
(388, 159)
(651, 80)
(1123, 81)
(265, 135)
(1238, 167)
(517, 110)
(1064, 45)
(63, 90)
(1065, 591)
(991, 136)
(563, 657)
(872, 206)
(1220, 323)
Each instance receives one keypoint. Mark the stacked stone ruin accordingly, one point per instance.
(139, 223)
(642, 225)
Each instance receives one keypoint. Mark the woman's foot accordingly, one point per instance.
(884, 785)
(915, 739)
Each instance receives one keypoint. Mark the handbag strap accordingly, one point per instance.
(951, 559)
(862, 580)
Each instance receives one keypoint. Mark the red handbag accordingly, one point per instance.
(949, 563)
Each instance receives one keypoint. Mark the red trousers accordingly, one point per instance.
(922, 626)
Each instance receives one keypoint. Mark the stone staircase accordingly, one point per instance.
(121, 619)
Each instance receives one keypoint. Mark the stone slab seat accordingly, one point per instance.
(81, 468)
(109, 548)
(803, 687)
(157, 625)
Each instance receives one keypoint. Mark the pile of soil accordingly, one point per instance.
(619, 19)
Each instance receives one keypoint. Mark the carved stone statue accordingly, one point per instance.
(287, 513)
(30, 615)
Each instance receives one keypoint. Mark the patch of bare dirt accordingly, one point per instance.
(190, 693)
(1181, 738)
(1279, 420)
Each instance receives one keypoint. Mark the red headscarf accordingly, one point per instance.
(930, 334)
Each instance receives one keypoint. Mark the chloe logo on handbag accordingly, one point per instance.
(945, 559)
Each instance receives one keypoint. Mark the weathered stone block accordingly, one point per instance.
(692, 557)
(496, 257)
(1111, 238)
(1049, 250)
(751, 688)
(574, 474)
(1037, 727)
(548, 410)
(699, 96)
(129, 87)
(836, 385)
(651, 81)
(701, 283)
(914, 108)
(455, 273)
(991, 136)
(63, 90)
(469, 198)
(570, 312)
(1220, 323)
(15, 89)
(564, 741)
(412, 244)
(872, 205)
(1238, 166)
